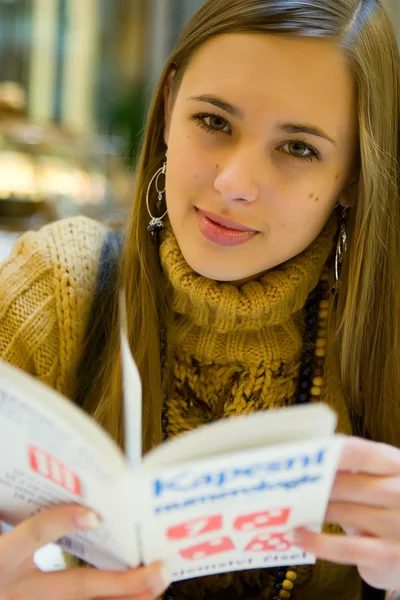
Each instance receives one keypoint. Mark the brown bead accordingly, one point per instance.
(320, 352)
(291, 575)
(318, 371)
(322, 332)
(320, 343)
(323, 314)
(284, 595)
(320, 362)
(318, 381)
(324, 304)
(315, 391)
(287, 585)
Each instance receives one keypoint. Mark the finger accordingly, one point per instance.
(18, 546)
(364, 456)
(369, 490)
(84, 584)
(364, 552)
(377, 522)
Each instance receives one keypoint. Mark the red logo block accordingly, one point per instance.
(260, 520)
(275, 542)
(207, 549)
(195, 527)
(53, 469)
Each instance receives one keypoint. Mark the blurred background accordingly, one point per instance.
(76, 77)
(75, 81)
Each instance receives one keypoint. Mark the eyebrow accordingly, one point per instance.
(294, 128)
(285, 127)
(229, 108)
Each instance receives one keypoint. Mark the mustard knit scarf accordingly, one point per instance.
(236, 349)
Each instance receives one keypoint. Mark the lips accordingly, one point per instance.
(227, 223)
(223, 232)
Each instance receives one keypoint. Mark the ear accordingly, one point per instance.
(168, 105)
(348, 197)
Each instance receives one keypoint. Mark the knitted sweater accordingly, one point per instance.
(46, 288)
(234, 350)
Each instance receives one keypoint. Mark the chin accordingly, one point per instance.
(213, 271)
(223, 277)
(207, 260)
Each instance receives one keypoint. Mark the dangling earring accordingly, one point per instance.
(341, 249)
(157, 223)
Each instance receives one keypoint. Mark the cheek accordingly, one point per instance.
(299, 215)
(311, 194)
(188, 169)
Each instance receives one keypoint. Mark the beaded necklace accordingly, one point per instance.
(309, 388)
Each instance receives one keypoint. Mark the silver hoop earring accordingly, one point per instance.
(341, 249)
(156, 223)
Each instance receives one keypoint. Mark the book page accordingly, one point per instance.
(51, 453)
(132, 393)
(245, 431)
(237, 511)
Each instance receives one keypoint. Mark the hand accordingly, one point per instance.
(366, 498)
(19, 577)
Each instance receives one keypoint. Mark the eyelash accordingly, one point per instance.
(199, 119)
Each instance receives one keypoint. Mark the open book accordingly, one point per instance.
(224, 497)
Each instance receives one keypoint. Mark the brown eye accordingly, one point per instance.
(212, 123)
(299, 149)
(216, 123)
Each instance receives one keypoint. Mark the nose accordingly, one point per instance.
(237, 180)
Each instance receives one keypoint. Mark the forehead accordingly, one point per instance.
(277, 77)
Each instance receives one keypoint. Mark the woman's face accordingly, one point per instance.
(261, 137)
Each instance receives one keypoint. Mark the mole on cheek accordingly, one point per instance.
(311, 196)
(216, 166)
(316, 199)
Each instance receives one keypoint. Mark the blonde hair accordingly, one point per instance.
(368, 310)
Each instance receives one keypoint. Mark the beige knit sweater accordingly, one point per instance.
(46, 289)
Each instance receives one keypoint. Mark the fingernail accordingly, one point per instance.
(88, 520)
(160, 581)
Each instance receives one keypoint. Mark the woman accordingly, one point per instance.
(276, 125)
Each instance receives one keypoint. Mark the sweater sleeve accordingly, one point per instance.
(46, 288)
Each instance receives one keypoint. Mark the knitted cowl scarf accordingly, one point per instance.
(235, 349)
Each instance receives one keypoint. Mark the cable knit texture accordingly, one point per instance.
(46, 288)
(235, 349)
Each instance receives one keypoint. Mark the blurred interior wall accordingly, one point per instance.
(82, 55)
(80, 65)
(63, 62)
(43, 60)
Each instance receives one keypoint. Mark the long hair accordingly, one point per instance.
(368, 323)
